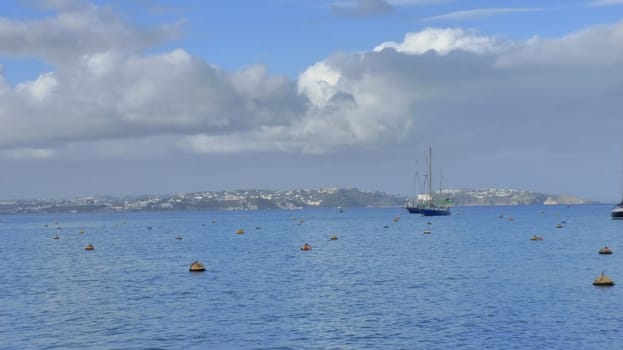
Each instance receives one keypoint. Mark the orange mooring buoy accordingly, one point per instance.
(605, 250)
(197, 266)
(603, 280)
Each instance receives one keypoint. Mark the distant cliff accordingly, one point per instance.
(268, 199)
(496, 196)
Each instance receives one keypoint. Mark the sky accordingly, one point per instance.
(153, 96)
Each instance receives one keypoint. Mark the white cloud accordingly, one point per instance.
(79, 28)
(318, 83)
(4, 86)
(473, 91)
(101, 63)
(449, 84)
(39, 89)
(441, 41)
(481, 13)
(594, 47)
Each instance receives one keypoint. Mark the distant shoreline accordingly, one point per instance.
(244, 200)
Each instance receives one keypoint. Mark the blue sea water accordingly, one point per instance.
(476, 282)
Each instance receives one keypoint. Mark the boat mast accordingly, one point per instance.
(440, 180)
(430, 173)
(415, 199)
(622, 188)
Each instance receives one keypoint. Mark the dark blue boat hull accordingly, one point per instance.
(617, 212)
(429, 211)
(434, 211)
(414, 210)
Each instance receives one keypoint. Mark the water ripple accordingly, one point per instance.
(477, 282)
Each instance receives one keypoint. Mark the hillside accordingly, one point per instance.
(494, 196)
(269, 199)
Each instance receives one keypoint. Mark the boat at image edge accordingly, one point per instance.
(425, 205)
(617, 211)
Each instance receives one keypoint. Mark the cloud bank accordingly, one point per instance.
(107, 93)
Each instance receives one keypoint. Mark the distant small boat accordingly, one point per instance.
(536, 238)
(427, 232)
(240, 231)
(559, 226)
(178, 237)
(57, 237)
(617, 211)
(334, 238)
(89, 247)
(306, 247)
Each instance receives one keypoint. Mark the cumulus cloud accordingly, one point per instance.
(39, 89)
(447, 84)
(169, 93)
(318, 83)
(475, 91)
(77, 28)
(593, 48)
(442, 41)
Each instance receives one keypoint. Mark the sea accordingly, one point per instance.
(476, 281)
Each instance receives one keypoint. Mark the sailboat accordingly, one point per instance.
(425, 204)
(617, 212)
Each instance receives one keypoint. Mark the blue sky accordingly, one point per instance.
(147, 96)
